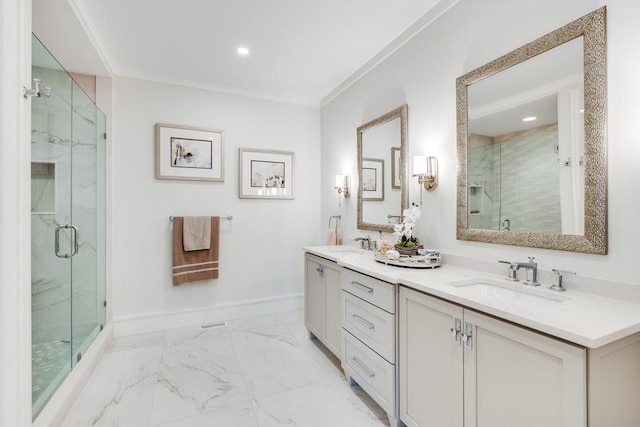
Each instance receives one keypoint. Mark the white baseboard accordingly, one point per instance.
(154, 322)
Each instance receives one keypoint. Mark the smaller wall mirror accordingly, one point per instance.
(382, 171)
(532, 155)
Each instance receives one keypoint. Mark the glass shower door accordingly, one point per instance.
(67, 225)
(50, 211)
(88, 190)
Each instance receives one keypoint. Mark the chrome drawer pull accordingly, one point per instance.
(363, 321)
(361, 286)
(467, 335)
(362, 366)
(456, 331)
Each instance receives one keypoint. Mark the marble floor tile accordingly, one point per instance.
(114, 405)
(198, 373)
(241, 415)
(137, 341)
(273, 360)
(127, 367)
(255, 372)
(327, 403)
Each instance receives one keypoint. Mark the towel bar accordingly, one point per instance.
(229, 217)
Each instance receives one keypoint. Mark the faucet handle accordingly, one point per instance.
(513, 269)
(556, 279)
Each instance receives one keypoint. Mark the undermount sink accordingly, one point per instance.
(508, 291)
(346, 249)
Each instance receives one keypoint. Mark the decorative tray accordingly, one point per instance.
(431, 259)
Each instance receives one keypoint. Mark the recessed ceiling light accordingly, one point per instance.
(243, 51)
(529, 119)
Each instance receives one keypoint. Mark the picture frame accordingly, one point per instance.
(395, 168)
(189, 153)
(265, 174)
(372, 179)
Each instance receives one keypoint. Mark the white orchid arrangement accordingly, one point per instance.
(404, 230)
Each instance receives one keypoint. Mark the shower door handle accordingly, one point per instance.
(74, 230)
(75, 241)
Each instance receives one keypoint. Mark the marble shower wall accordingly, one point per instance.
(51, 144)
(65, 141)
(515, 177)
(483, 175)
(530, 181)
(86, 277)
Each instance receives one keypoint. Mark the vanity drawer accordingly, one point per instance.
(377, 292)
(375, 375)
(370, 324)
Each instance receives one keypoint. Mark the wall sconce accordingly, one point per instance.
(342, 185)
(426, 169)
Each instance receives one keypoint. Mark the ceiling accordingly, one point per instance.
(301, 51)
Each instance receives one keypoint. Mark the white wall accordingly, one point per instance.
(15, 219)
(260, 250)
(422, 73)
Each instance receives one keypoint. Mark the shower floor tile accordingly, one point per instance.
(255, 372)
(48, 359)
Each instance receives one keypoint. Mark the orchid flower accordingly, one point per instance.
(409, 218)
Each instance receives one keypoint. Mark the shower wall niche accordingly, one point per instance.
(67, 225)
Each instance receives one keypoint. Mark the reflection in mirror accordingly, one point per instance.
(537, 182)
(526, 145)
(382, 193)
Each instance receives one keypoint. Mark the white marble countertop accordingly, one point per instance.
(582, 318)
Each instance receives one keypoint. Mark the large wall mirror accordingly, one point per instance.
(382, 171)
(532, 155)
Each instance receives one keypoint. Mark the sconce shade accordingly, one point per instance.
(419, 165)
(343, 184)
(432, 166)
(426, 169)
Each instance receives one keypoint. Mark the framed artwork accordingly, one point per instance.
(265, 174)
(372, 179)
(395, 168)
(189, 153)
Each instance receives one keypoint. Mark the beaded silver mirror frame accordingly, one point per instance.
(592, 27)
(401, 113)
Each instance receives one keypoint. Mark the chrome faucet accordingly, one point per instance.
(365, 242)
(513, 270)
(530, 266)
(556, 280)
(532, 272)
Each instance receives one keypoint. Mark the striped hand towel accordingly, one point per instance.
(194, 266)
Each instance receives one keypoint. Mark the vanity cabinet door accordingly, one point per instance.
(489, 374)
(322, 302)
(314, 297)
(517, 377)
(332, 310)
(431, 361)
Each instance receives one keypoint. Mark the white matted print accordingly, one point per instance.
(189, 153)
(372, 179)
(265, 174)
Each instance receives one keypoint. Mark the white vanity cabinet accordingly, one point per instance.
(322, 302)
(369, 337)
(462, 368)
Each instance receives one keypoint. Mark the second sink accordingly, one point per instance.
(507, 291)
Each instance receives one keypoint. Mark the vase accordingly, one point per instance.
(410, 251)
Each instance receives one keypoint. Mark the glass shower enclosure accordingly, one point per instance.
(67, 224)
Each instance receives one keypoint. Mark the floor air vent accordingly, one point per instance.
(213, 325)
